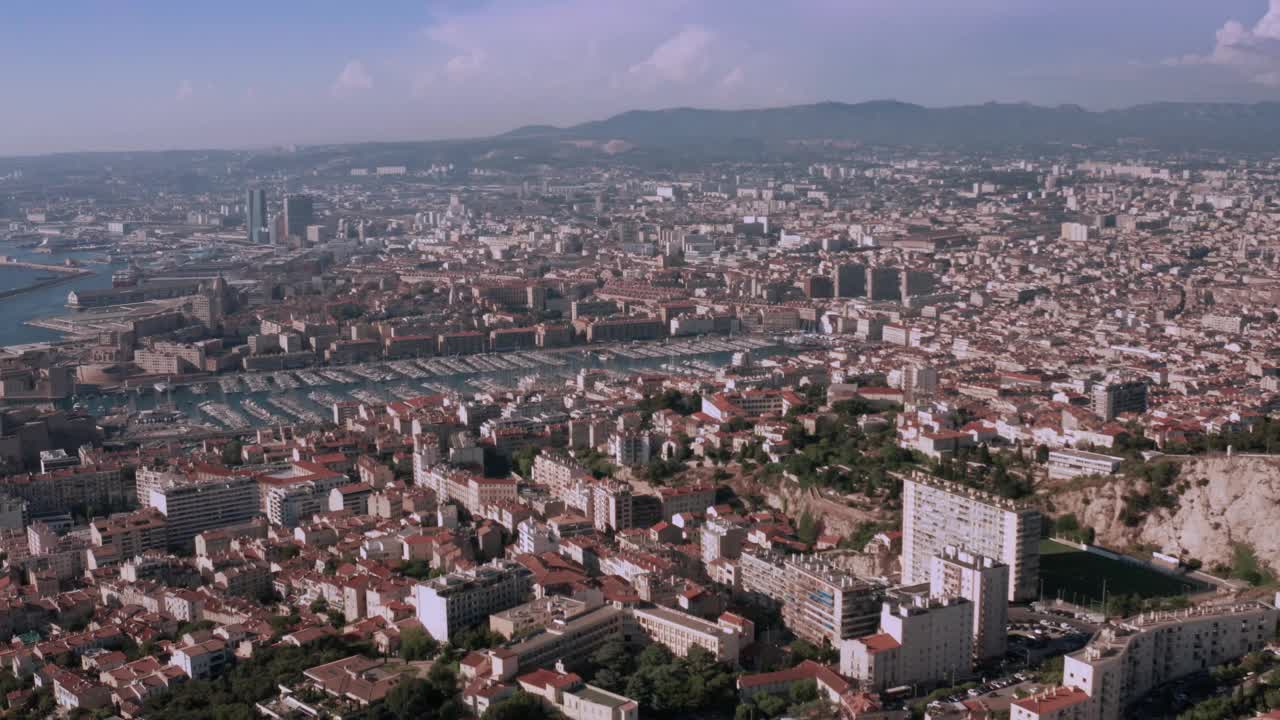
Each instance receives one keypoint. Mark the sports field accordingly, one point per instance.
(1079, 577)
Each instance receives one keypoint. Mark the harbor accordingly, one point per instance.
(307, 396)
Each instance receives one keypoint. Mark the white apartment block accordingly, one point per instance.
(1125, 661)
(1066, 464)
(291, 495)
(825, 602)
(937, 514)
(681, 632)
(985, 584)
(721, 539)
(192, 505)
(921, 640)
(557, 471)
(763, 574)
(464, 598)
(611, 502)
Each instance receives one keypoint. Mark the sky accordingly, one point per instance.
(158, 74)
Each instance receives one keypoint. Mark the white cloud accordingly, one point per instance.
(467, 65)
(733, 79)
(185, 91)
(683, 57)
(1252, 52)
(353, 78)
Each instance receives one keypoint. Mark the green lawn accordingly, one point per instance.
(1077, 576)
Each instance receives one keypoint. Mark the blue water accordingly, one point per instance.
(45, 302)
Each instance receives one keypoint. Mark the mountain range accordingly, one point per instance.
(1227, 125)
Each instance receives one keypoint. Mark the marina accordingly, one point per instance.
(248, 400)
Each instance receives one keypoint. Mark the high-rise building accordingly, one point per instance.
(984, 583)
(936, 514)
(850, 280)
(722, 539)
(1112, 399)
(824, 602)
(299, 212)
(883, 283)
(255, 210)
(916, 282)
(922, 639)
(919, 380)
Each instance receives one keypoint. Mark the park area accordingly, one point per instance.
(1080, 577)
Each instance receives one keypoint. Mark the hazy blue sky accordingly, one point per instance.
(161, 74)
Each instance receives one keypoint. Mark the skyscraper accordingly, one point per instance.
(299, 212)
(255, 209)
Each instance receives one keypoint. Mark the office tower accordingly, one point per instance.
(850, 280)
(936, 514)
(1112, 399)
(883, 283)
(984, 583)
(275, 230)
(255, 210)
(299, 212)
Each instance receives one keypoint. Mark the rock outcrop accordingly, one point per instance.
(1222, 501)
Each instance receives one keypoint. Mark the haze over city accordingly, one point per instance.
(147, 75)
(591, 360)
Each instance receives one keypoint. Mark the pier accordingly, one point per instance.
(63, 272)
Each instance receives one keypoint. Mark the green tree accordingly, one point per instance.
(521, 706)
(416, 644)
(807, 530)
(771, 705)
(803, 692)
(523, 458)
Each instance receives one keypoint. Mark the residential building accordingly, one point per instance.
(937, 514)
(985, 584)
(466, 597)
(681, 632)
(922, 640)
(824, 603)
(192, 505)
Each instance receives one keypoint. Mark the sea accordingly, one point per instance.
(45, 302)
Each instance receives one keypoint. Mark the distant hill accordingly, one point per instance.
(892, 122)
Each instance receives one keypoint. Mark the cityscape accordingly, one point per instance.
(819, 410)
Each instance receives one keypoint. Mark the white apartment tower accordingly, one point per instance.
(937, 514)
(984, 583)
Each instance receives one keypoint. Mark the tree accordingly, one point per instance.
(655, 655)
(807, 530)
(413, 698)
(522, 460)
(521, 706)
(803, 692)
(416, 644)
(771, 705)
(231, 453)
